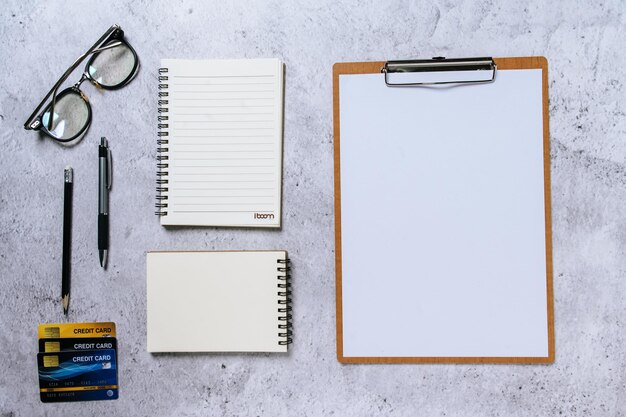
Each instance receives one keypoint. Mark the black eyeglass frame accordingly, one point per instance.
(112, 38)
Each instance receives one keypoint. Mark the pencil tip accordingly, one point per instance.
(103, 258)
(66, 303)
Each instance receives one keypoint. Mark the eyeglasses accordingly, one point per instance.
(67, 116)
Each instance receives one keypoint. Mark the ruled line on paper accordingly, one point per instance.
(230, 128)
(217, 167)
(223, 143)
(221, 125)
(177, 122)
(222, 188)
(224, 166)
(220, 204)
(224, 76)
(222, 151)
(239, 82)
(171, 91)
(223, 211)
(221, 99)
(229, 196)
(221, 95)
(224, 181)
(223, 136)
(222, 173)
(219, 159)
(224, 114)
(223, 106)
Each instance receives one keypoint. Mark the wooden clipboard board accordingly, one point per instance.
(502, 64)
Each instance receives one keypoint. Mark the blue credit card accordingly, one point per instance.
(78, 375)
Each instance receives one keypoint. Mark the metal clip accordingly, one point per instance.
(109, 169)
(439, 64)
(104, 143)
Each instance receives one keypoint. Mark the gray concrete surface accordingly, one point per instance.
(584, 42)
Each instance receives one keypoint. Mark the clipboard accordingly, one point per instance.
(489, 69)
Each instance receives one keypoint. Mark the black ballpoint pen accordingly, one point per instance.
(67, 235)
(104, 185)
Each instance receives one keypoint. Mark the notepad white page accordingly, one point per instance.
(214, 301)
(224, 131)
(442, 218)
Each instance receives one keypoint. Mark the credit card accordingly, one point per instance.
(87, 343)
(63, 330)
(78, 375)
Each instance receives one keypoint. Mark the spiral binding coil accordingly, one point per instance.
(284, 304)
(162, 143)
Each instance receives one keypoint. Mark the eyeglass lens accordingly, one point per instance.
(71, 115)
(112, 67)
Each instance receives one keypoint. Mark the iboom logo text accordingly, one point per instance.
(263, 216)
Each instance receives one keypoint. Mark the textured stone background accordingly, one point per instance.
(584, 43)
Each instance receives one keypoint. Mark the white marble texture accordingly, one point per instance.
(584, 43)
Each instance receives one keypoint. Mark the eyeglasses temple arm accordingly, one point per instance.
(53, 92)
(104, 48)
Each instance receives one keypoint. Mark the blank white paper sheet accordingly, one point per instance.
(443, 218)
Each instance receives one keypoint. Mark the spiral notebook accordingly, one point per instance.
(220, 142)
(218, 301)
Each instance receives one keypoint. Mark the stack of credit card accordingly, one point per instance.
(77, 362)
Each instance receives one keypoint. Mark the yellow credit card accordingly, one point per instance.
(68, 330)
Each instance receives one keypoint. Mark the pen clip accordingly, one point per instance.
(109, 169)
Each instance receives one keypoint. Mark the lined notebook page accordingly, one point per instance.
(225, 142)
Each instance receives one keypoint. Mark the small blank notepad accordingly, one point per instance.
(220, 142)
(236, 301)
